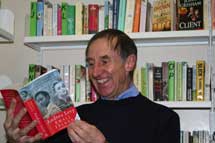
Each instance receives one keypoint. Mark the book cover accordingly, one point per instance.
(189, 15)
(162, 18)
(47, 100)
(33, 19)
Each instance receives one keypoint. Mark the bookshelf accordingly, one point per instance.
(6, 26)
(152, 47)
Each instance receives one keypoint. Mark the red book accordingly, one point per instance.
(93, 18)
(59, 21)
(45, 103)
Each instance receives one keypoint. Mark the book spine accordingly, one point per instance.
(171, 80)
(207, 82)
(85, 19)
(137, 10)
(79, 18)
(40, 18)
(115, 13)
(150, 80)
(200, 81)
(184, 80)
(165, 81)
(129, 18)
(54, 19)
(143, 16)
(157, 75)
(70, 20)
(101, 18)
(59, 20)
(121, 18)
(194, 83)
(93, 18)
(64, 7)
(189, 84)
(106, 14)
(144, 82)
(33, 19)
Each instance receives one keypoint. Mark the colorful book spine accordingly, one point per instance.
(64, 7)
(70, 20)
(137, 10)
(184, 80)
(144, 81)
(33, 19)
(59, 20)
(93, 18)
(200, 81)
(40, 18)
(143, 16)
(171, 80)
(106, 14)
(165, 80)
(194, 83)
(121, 18)
(115, 13)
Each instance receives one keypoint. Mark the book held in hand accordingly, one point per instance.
(47, 100)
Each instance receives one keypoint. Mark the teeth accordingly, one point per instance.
(101, 80)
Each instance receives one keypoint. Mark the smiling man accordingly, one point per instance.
(121, 114)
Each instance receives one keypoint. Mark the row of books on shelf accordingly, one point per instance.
(75, 78)
(197, 136)
(174, 81)
(63, 18)
(171, 81)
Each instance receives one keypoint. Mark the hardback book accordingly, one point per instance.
(115, 17)
(101, 18)
(47, 24)
(47, 101)
(190, 15)
(54, 18)
(194, 82)
(142, 27)
(80, 73)
(33, 19)
(93, 18)
(200, 80)
(178, 81)
(165, 80)
(106, 14)
(59, 20)
(163, 15)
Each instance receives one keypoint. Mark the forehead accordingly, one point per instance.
(101, 47)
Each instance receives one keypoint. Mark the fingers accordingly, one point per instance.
(9, 115)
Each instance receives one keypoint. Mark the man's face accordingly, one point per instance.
(107, 70)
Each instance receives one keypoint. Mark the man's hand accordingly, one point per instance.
(13, 133)
(82, 132)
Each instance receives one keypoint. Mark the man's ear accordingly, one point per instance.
(130, 62)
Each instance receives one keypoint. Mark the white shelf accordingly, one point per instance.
(6, 36)
(186, 104)
(6, 26)
(174, 38)
(176, 104)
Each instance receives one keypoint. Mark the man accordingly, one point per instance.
(121, 114)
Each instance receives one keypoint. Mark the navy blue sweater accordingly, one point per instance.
(131, 120)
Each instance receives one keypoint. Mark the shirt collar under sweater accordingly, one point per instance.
(132, 91)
